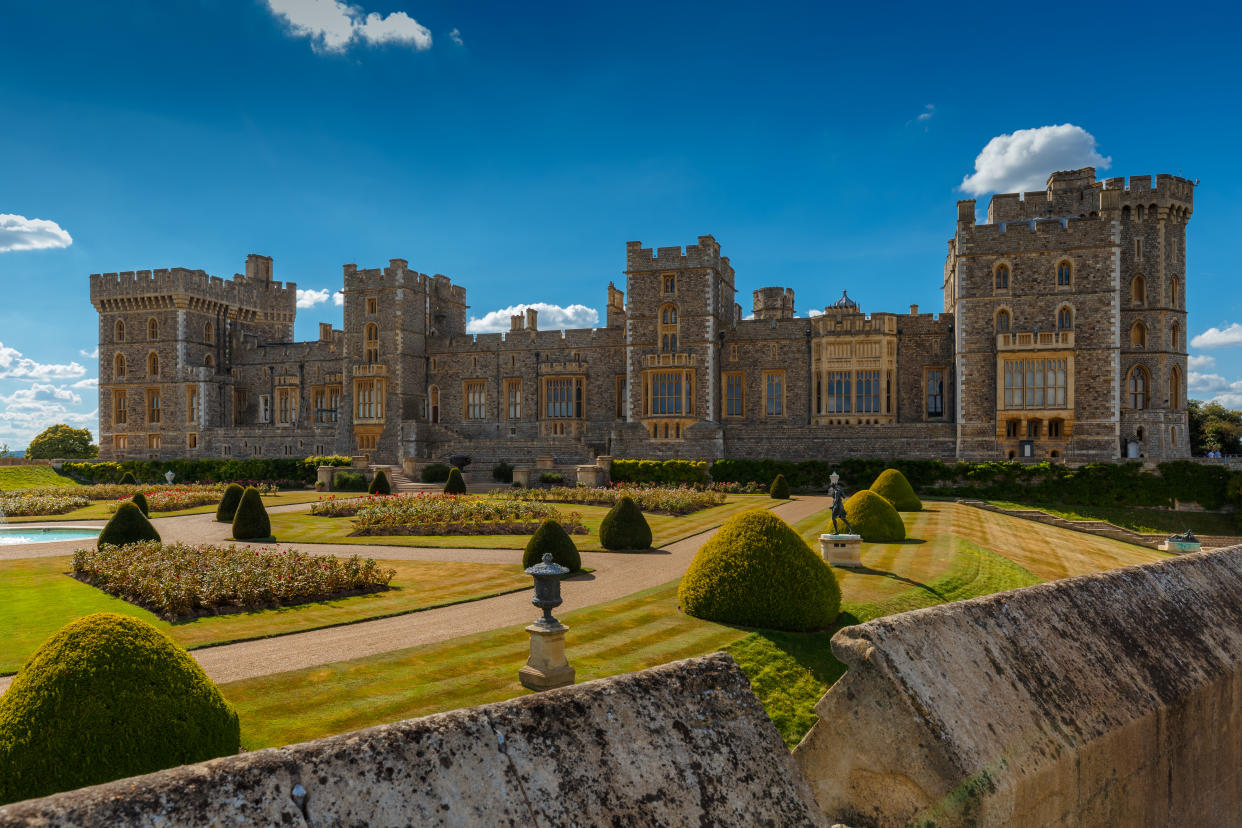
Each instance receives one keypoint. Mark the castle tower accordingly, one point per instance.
(679, 304)
(773, 303)
(166, 339)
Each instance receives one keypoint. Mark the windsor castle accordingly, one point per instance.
(1062, 337)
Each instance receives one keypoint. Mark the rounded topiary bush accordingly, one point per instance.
(874, 518)
(380, 485)
(435, 473)
(140, 500)
(624, 527)
(106, 697)
(228, 504)
(128, 525)
(347, 481)
(552, 537)
(455, 484)
(251, 521)
(127, 479)
(893, 486)
(780, 488)
(757, 572)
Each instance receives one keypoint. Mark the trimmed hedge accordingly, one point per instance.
(779, 489)
(874, 518)
(659, 471)
(502, 472)
(893, 487)
(218, 470)
(625, 527)
(380, 485)
(552, 537)
(228, 503)
(435, 473)
(757, 572)
(349, 481)
(455, 484)
(128, 525)
(106, 697)
(140, 500)
(251, 521)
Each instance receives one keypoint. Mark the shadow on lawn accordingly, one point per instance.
(883, 573)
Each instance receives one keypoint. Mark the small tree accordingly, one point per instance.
(780, 488)
(455, 484)
(228, 503)
(625, 527)
(552, 537)
(140, 500)
(128, 525)
(251, 521)
(63, 441)
(380, 485)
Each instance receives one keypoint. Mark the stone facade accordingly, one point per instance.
(1063, 338)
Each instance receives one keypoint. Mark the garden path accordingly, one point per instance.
(616, 575)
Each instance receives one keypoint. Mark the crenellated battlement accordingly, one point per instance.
(704, 254)
(399, 275)
(190, 288)
(1077, 193)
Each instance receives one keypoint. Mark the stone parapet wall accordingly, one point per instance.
(683, 744)
(1108, 699)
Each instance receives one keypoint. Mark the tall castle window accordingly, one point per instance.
(120, 330)
(1137, 385)
(287, 405)
(475, 394)
(563, 397)
(372, 305)
(1175, 388)
(1064, 274)
(513, 393)
(153, 330)
(434, 394)
(934, 394)
(1138, 335)
(1002, 277)
(1138, 290)
(371, 348)
(153, 405)
(369, 399)
(191, 404)
(734, 394)
(120, 408)
(1002, 321)
(670, 284)
(774, 393)
(1035, 383)
(838, 392)
(867, 384)
(209, 334)
(118, 368)
(1065, 319)
(1175, 292)
(668, 329)
(1175, 337)
(153, 364)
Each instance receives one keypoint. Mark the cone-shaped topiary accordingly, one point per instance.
(140, 500)
(893, 486)
(251, 521)
(624, 527)
(380, 485)
(128, 525)
(228, 504)
(757, 572)
(127, 479)
(780, 488)
(106, 697)
(552, 537)
(874, 518)
(455, 484)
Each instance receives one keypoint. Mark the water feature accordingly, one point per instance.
(11, 535)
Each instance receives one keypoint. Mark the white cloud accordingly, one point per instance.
(338, 298)
(38, 394)
(21, 233)
(927, 113)
(1233, 401)
(1022, 161)
(1200, 383)
(455, 36)
(1218, 337)
(1200, 363)
(551, 317)
(92, 354)
(814, 312)
(89, 382)
(15, 366)
(333, 25)
(310, 298)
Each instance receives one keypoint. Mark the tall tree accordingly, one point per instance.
(63, 441)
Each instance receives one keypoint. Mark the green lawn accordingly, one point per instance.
(1147, 521)
(789, 671)
(30, 477)
(37, 598)
(102, 510)
(301, 527)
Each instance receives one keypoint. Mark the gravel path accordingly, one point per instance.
(615, 576)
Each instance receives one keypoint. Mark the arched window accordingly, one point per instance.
(118, 370)
(209, 361)
(153, 364)
(1175, 388)
(1137, 384)
(1065, 319)
(1175, 292)
(1002, 277)
(1138, 290)
(1002, 321)
(372, 342)
(153, 329)
(668, 329)
(1138, 335)
(1175, 337)
(120, 330)
(435, 403)
(209, 334)
(1065, 275)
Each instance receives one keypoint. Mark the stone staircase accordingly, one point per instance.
(402, 484)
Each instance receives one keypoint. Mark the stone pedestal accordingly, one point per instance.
(324, 475)
(1181, 547)
(592, 476)
(521, 475)
(545, 461)
(841, 550)
(547, 667)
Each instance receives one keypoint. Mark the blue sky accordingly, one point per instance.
(517, 148)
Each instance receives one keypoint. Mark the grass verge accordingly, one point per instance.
(102, 510)
(31, 477)
(1145, 521)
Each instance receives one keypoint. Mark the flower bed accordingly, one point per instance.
(41, 504)
(117, 491)
(182, 581)
(442, 514)
(679, 501)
